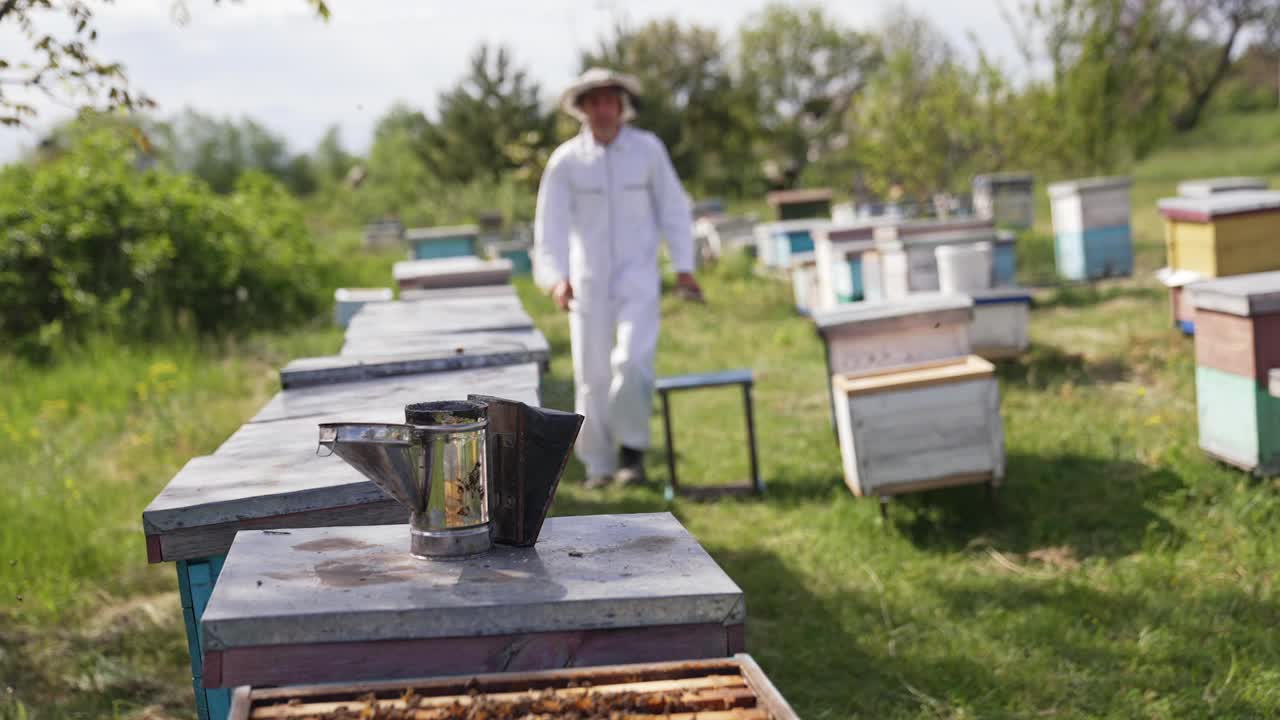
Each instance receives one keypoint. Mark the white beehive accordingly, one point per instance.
(908, 263)
(348, 301)
(874, 335)
(1000, 320)
(847, 268)
(964, 268)
(929, 426)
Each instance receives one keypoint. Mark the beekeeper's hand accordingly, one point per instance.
(562, 293)
(688, 288)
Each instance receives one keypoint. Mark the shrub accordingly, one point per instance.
(92, 241)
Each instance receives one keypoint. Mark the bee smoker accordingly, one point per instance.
(470, 472)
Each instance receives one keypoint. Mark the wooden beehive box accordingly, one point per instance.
(804, 282)
(928, 426)
(1092, 238)
(801, 204)
(724, 689)
(776, 242)
(348, 301)
(907, 252)
(848, 269)
(348, 604)
(514, 251)
(873, 335)
(1223, 234)
(1004, 261)
(1181, 310)
(1212, 186)
(1005, 198)
(450, 273)
(1237, 331)
(1001, 317)
(443, 242)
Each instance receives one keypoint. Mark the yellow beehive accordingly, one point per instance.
(1223, 234)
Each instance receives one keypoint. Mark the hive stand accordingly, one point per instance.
(743, 378)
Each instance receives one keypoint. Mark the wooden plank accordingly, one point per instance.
(389, 659)
(443, 353)
(1226, 343)
(1227, 410)
(934, 372)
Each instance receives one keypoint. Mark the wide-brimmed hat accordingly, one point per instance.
(597, 78)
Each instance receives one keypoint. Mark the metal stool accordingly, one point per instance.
(668, 385)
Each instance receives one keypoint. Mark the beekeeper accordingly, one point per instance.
(606, 197)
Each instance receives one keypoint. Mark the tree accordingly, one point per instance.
(1208, 33)
(806, 70)
(690, 100)
(61, 64)
(330, 160)
(494, 107)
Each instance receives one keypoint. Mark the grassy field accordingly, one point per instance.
(1125, 575)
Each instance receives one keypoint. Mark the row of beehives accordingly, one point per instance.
(293, 569)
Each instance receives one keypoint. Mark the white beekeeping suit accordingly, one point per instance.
(601, 212)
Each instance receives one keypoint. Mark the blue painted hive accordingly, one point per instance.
(1092, 239)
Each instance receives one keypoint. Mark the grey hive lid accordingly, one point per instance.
(869, 312)
(437, 233)
(1003, 178)
(1243, 295)
(1071, 187)
(1209, 186)
(1206, 207)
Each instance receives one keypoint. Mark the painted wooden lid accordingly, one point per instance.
(1084, 185)
(1209, 186)
(359, 584)
(468, 265)
(442, 232)
(996, 296)
(789, 197)
(269, 467)
(1177, 278)
(857, 313)
(1003, 179)
(362, 294)
(504, 290)
(420, 317)
(970, 367)
(1207, 207)
(388, 356)
(1243, 295)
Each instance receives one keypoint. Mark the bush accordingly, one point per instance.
(91, 242)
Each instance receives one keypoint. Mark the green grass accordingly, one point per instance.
(1124, 576)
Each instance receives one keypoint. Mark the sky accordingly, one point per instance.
(274, 61)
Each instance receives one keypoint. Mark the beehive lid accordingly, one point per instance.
(269, 467)
(1177, 278)
(443, 267)
(362, 294)
(440, 233)
(792, 197)
(896, 230)
(970, 367)
(859, 313)
(1208, 207)
(997, 296)
(421, 317)
(1243, 295)
(1086, 185)
(359, 584)
(855, 234)
(1210, 186)
(1006, 179)
(964, 236)
(388, 356)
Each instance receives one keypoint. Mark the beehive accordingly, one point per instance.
(351, 604)
(964, 268)
(1237, 330)
(804, 282)
(434, 243)
(1004, 260)
(776, 242)
(514, 251)
(348, 301)
(847, 268)
(1223, 234)
(1092, 238)
(874, 335)
(928, 426)
(1005, 198)
(1180, 308)
(450, 273)
(1211, 186)
(801, 204)
(1001, 317)
(907, 251)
